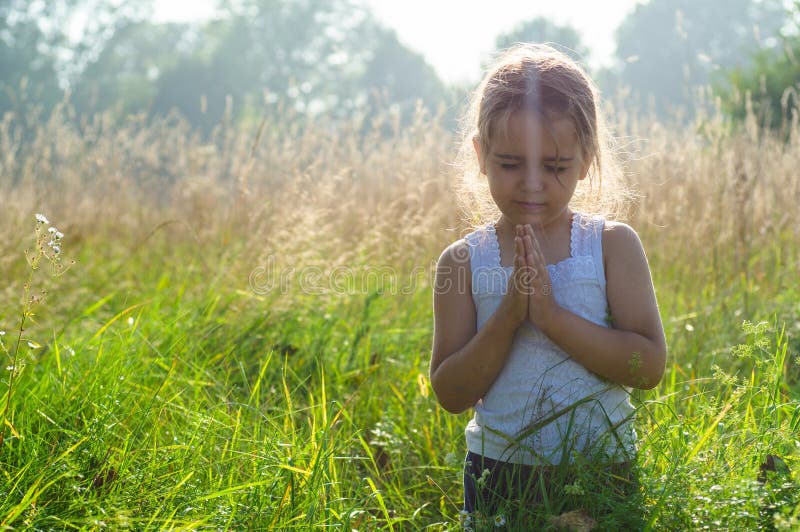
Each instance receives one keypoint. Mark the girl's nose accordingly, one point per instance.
(534, 179)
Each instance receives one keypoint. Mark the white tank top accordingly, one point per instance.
(544, 407)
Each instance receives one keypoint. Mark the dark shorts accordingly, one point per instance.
(492, 487)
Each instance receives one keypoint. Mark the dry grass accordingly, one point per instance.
(363, 193)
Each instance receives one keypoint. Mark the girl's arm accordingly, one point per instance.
(633, 352)
(465, 362)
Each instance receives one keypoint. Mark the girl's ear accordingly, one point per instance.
(477, 145)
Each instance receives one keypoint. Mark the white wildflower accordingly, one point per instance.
(56, 249)
(41, 218)
(34, 345)
(499, 520)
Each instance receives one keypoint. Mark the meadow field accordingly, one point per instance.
(234, 332)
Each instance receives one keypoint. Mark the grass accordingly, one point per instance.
(169, 393)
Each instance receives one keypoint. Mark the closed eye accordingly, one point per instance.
(509, 166)
(555, 169)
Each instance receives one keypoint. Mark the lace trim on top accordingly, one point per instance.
(493, 245)
(490, 278)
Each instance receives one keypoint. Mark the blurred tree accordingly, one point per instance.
(771, 84)
(394, 74)
(39, 56)
(124, 76)
(668, 48)
(542, 30)
(312, 55)
(27, 61)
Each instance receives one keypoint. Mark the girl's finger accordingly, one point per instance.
(531, 235)
(529, 231)
(520, 236)
(530, 252)
(521, 260)
(535, 243)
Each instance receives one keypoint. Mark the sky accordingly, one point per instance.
(455, 36)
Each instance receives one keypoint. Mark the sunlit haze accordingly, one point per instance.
(454, 36)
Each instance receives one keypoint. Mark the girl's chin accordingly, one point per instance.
(533, 218)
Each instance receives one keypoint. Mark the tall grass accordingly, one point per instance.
(180, 385)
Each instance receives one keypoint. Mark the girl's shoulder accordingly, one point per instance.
(454, 256)
(617, 229)
(620, 241)
(476, 236)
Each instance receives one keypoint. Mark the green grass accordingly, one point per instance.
(163, 397)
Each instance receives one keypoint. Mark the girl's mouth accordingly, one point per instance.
(530, 205)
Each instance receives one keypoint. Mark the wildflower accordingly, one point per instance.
(41, 218)
(56, 249)
(484, 475)
(2, 333)
(56, 234)
(465, 519)
(499, 520)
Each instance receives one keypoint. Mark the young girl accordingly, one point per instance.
(545, 318)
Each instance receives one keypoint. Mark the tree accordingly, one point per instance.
(26, 60)
(395, 74)
(314, 56)
(771, 83)
(541, 30)
(39, 59)
(667, 48)
(125, 74)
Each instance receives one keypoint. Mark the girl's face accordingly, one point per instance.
(533, 169)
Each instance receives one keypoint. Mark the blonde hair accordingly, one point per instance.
(538, 78)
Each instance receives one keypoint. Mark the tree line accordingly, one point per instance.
(334, 57)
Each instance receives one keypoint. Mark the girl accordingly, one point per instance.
(559, 320)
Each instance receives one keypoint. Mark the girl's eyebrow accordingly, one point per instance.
(509, 156)
(558, 159)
